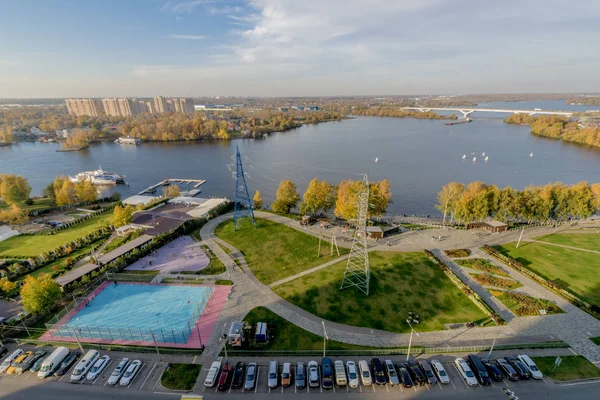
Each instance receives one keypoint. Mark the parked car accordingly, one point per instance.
(465, 372)
(426, 368)
(404, 375)
(479, 370)
(507, 369)
(225, 377)
(440, 372)
(326, 373)
(9, 360)
(238, 375)
(492, 370)
(365, 373)
(300, 375)
(377, 370)
(52, 362)
(519, 367)
(37, 365)
(390, 372)
(531, 367)
(250, 381)
(118, 372)
(98, 367)
(17, 362)
(352, 374)
(340, 373)
(213, 373)
(84, 365)
(130, 373)
(313, 374)
(3, 351)
(286, 374)
(416, 374)
(67, 363)
(28, 363)
(273, 374)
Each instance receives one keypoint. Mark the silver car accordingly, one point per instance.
(118, 372)
(440, 372)
(98, 367)
(313, 374)
(390, 371)
(273, 374)
(250, 381)
(130, 373)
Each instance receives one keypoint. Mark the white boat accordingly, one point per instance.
(486, 158)
(483, 154)
(530, 154)
(98, 177)
(376, 159)
(474, 159)
(464, 156)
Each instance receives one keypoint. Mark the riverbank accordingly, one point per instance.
(393, 112)
(68, 150)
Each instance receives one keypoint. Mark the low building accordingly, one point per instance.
(491, 225)
(374, 232)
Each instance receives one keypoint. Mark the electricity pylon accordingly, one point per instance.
(242, 207)
(357, 269)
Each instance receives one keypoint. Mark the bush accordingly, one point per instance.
(481, 265)
(491, 280)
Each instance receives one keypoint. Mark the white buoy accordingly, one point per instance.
(376, 159)
(483, 154)
(464, 156)
(474, 159)
(486, 158)
(530, 154)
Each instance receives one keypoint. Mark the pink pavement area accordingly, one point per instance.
(201, 332)
(182, 254)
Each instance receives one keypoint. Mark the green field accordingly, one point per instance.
(571, 368)
(26, 245)
(573, 270)
(522, 305)
(590, 241)
(180, 376)
(400, 283)
(39, 204)
(596, 340)
(286, 336)
(60, 262)
(274, 251)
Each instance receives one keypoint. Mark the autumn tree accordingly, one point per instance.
(85, 190)
(40, 294)
(596, 191)
(6, 285)
(257, 200)
(380, 195)
(319, 196)
(14, 215)
(6, 134)
(347, 199)
(286, 197)
(64, 191)
(14, 188)
(509, 205)
(78, 139)
(448, 197)
(171, 191)
(123, 215)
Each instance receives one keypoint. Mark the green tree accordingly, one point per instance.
(40, 294)
(509, 205)
(48, 191)
(583, 201)
(286, 197)
(319, 196)
(448, 197)
(123, 215)
(14, 188)
(257, 200)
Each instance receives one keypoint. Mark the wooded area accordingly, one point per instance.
(558, 128)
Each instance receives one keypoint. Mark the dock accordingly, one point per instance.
(196, 182)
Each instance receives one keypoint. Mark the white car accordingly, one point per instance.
(98, 367)
(535, 371)
(365, 373)
(213, 374)
(130, 373)
(313, 374)
(118, 372)
(440, 372)
(465, 371)
(352, 374)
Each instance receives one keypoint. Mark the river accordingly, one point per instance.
(417, 156)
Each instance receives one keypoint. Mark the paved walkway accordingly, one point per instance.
(308, 271)
(564, 246)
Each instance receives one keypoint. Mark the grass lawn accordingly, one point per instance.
(494, 281)
(39, 204)
(481, 265)
(458, 253)
(180, 376)
(590, 241)
(26, 245)
(286, 336)
(215, 267)
(575, 271)
(596, 340)
(522, 305)
(400, 282)
(571, 367)
(60, 262)
(274, 251)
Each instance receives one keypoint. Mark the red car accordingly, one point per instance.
(225, 378)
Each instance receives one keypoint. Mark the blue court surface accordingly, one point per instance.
(159, 313)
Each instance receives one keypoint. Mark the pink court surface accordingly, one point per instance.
(202, 329)
(182, 254)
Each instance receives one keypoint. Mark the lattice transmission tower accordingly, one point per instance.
(242, 207)
(357, 269)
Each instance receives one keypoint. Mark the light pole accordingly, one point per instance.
(415, 319)
(224, 337)
(155, 345)
(325, 338)
(494, 342)
(77, 339)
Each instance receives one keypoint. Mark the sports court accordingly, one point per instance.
(182, 254)
(143, 314)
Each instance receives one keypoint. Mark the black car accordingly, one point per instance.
(404, 376)
(519, 367)
(377, 372)
(426, 368)
(507, 369)
(238, 375)
(3, 351)
(67, 362)
(479, 370)
(493, 370)
(29, 361)
(416, 374)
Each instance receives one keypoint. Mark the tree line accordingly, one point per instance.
(557, 127)
(398, 113)
(555, 201)
(321, 196)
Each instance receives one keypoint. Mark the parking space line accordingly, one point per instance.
(458, 372)
(141, 368)
(544, 381)
(333, 387)
(386, 388)
(152, 369)
(100, 375)
(360, 388)
(158, 380)
(506, 382)
(373, 387)
(452, 382)
(257, 375)
(401, 390)
(427, 386)
(492, 383)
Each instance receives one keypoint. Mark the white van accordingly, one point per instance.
(53, 361)
(84, 365)
(535, 371)
(9, 359)
(340, 373)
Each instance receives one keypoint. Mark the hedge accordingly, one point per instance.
(70, 206)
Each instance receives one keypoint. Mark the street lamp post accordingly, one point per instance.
(415, 319)
(325, 338)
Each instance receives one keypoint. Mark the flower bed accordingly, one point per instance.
(481, 265)
(491, 280)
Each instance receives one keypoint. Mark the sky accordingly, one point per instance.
(144, 48)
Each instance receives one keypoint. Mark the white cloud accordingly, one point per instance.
(186, 37)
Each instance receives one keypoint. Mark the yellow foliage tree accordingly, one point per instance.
(319, 196)
(40, 294)
(6, 285)
(123, 215)
(14, 215)
(14, 188)
(171, 191)
(257, 200)
(286, 197)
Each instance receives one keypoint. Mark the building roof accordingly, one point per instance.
(205, 207)
(374, 229)
(494, 223)
(139, 199)
(75, 274)
(126, 248)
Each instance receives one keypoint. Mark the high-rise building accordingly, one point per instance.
(160, 104)
(79, 107)
(111, 107)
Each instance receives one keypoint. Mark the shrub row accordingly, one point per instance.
(526, 305)
(37, 213)
(67, 225)
(570, 297)
(481, 265)
(494, 281)
(475, 298)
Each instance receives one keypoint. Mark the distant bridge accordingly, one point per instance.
(468, 111)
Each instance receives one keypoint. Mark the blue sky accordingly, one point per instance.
(51, 48)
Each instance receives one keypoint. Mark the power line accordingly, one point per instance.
(242, 206)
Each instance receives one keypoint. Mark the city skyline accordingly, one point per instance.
(189, 48)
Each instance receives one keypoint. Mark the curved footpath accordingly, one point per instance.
(573, 327)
